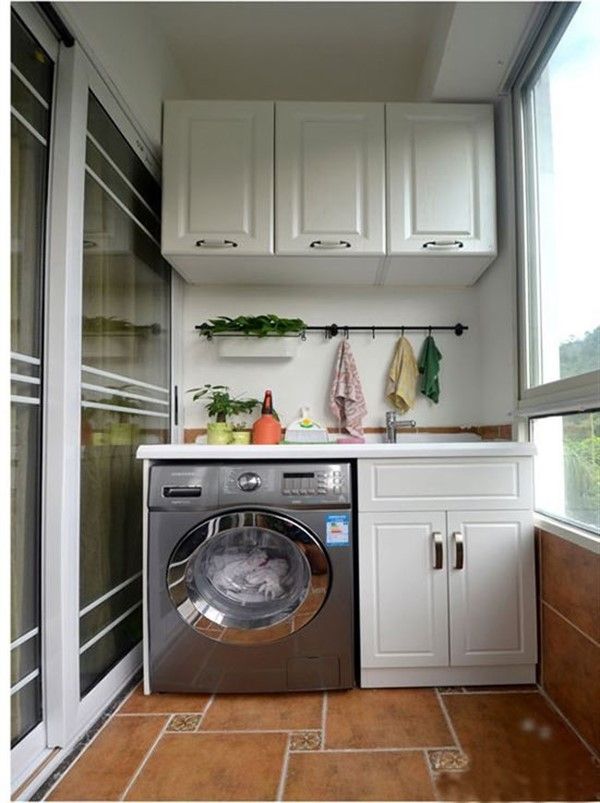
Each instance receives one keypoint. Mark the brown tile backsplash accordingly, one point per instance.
(571, 582)
(487, 432)
(569, 607)
(572, 674)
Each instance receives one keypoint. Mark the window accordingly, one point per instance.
(32, 76)
(558, 172)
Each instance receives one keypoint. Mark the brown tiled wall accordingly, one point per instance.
(570, 632)
(488, 432)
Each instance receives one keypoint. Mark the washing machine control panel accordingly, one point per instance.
(290, 484)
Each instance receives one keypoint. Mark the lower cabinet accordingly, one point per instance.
(447, 597)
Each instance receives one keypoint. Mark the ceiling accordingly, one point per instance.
(301, 50)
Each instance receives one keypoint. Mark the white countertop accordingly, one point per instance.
(194, 451)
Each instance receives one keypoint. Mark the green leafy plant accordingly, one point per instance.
(221, 404)
(102, 325)
(252, 326)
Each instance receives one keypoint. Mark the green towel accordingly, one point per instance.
(429, 367)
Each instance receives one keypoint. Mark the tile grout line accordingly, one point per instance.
(416, 749)
(569, 622)
(109, 718)
(571, 727)
(449, 721)
(284, 769)
(136, 774)
(220, 732)
(430, 773)
(324, 720)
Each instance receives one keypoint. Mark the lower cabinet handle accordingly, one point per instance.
(330, 244)
(442, 244)
(216, 244)
(438, 551)
(459, 546)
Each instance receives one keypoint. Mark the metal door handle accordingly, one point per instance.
(441, 244)
(330, 244)
(438, 551)
(459, 546)
(216, 244)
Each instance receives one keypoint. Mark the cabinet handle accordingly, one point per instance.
(443, 244)
(459, 546)
(438, 551)
(330, 244)
(216, 244)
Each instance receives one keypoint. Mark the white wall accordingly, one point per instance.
(128, 44)
(306, 378)
(497, 290)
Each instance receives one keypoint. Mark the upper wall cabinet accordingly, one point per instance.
(330, 166)
(217, 178)
(441, 211)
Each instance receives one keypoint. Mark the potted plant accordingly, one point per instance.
(240, 434)
(254, 335)
(221, 404)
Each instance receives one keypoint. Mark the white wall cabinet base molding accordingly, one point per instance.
(447, 593)
(217, 177)
(441, 270)
(278, 270)
(329, 175)
(447, 676)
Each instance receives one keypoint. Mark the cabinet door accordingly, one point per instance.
(218, 177)
(491, 588)
(441, 179)
(330, 178)
(403, 596)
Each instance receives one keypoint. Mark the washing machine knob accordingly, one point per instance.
(249, 481)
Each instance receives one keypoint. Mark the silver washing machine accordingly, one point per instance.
(249, 577)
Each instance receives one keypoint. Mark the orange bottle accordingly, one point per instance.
(267, 429)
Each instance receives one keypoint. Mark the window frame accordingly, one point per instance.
(575, 394)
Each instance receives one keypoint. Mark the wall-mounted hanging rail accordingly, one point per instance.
(332, 329)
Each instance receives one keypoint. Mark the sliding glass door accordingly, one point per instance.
(32, 72)
(125, 381)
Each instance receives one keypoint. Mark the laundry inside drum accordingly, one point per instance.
(250, 577)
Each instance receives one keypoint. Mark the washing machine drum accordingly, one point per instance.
(248, 577)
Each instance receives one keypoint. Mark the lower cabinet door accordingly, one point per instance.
(491, 588)
(403, 589)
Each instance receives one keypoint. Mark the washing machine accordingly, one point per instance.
(248, 577)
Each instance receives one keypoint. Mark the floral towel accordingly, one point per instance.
(346, 398)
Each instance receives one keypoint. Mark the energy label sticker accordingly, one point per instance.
(338, 530)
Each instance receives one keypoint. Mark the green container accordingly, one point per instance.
(219, 433)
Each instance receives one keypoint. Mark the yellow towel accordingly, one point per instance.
(402, 377)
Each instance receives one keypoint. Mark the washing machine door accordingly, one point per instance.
(248, 577)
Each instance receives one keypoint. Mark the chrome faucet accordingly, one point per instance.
(393, 424)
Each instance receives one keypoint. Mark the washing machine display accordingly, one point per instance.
(250, 575)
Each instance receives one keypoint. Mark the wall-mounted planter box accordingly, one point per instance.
(270, 347)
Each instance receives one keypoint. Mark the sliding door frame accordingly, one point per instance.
(27, 752)
(66, 716)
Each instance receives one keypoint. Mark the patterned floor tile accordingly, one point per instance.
(309, 740)
(184, 722)
(444, 760)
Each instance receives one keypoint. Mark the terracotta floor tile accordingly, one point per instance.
(385, 718)
(518, 749)
(264, 712)
(107, 766)
(212, 766)
(139, 703)
(358, 776)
